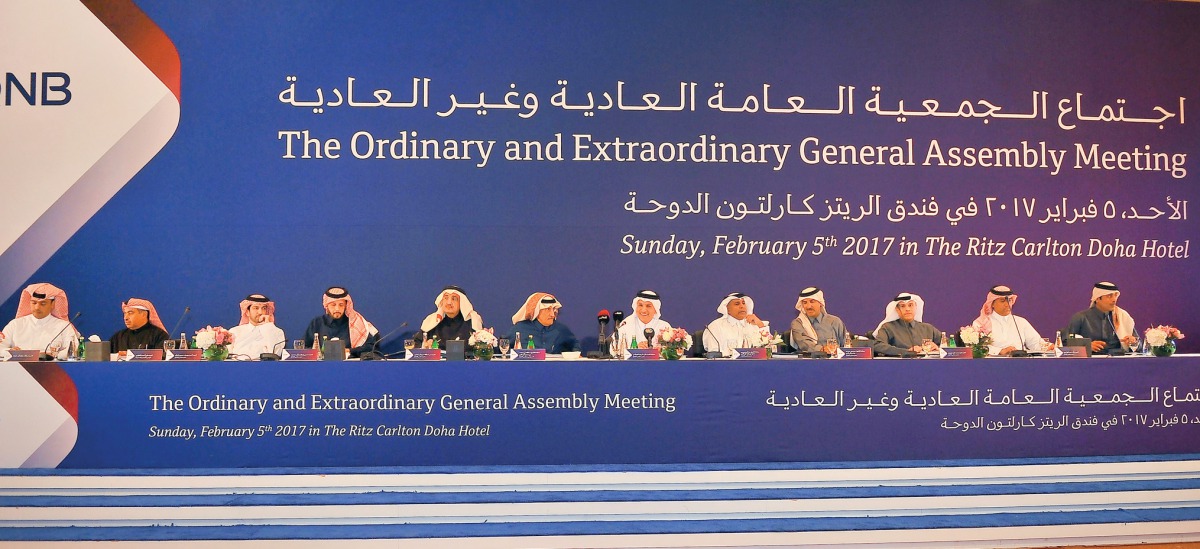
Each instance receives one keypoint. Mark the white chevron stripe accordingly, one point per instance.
(957, 538)
(576, 481)
(548, 514)
(442, 513)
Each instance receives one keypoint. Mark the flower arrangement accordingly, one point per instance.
(214, 341)
(1161, 339)
(674, 343)
(482, 343)
(766, 339)
(978, 341)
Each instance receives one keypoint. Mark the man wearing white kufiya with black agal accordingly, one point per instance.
(901, 333)
(647, 314)
(737, 326)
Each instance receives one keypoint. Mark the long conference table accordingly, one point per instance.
(588, 412)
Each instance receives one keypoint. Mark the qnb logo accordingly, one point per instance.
(47, 89)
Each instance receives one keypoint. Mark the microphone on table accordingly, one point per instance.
(186, 310)
(45, 355)
(710, 353)
(602, 318)
(374, 353)
(648, 333)
(273, 355)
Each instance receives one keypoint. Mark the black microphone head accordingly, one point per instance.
(649, 333)
(618, 316)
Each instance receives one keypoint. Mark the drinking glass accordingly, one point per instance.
(927, 345)
(1046, 344)
(53, 350)
(169, 345)
(505, 345)
(409, 344)
(830, 346)
(298, 344)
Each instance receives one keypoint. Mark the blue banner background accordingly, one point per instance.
(725, 411)
(220, 213)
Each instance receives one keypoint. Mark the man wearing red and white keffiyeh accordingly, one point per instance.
(143, 328)
(342, 321)
(257, 333)
(41, 322)
(1008, 331)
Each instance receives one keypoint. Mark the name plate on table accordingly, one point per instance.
(426, 354)
(185, 354)
(956, 352)
(644, 354)
(144, 355)
(22, 355)
(1074, 352)
(530, 354)
(855, 352)
(301, 354)
(750, 353)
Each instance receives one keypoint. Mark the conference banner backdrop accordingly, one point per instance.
(194, 153)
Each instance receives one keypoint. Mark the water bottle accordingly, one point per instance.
(183, 341)
(530, 345)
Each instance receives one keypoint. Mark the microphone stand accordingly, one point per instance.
(604, 352)
(374, 353)
(273, 355)
(186, 310)
(708, 353)
(45, 354)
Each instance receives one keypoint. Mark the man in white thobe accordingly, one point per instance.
(647, 314)
(1009, 332)
(41, 322)
(737, 327)
(257, 332)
